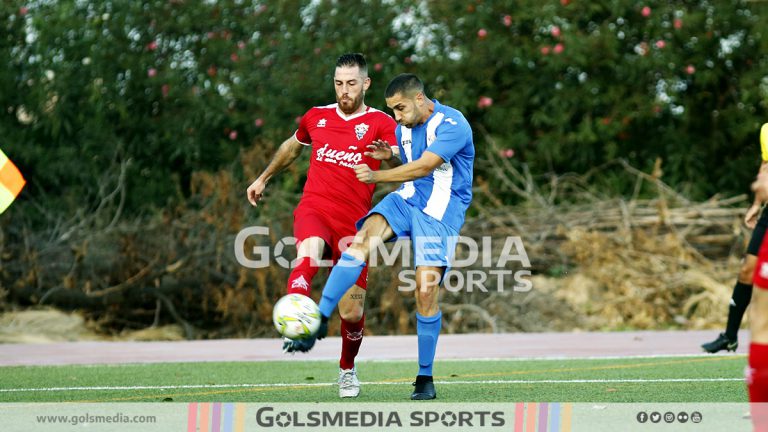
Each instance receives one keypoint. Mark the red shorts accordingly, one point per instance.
(337, 234)
(760, 278)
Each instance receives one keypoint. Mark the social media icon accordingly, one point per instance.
(669, 417)
(696, 417)
(682, 417)
(655, 417)
(642, 417)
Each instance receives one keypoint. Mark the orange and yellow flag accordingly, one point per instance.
(11, 182)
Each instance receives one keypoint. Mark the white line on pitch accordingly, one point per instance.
(365, 359)
(560, 358)
(218, 386)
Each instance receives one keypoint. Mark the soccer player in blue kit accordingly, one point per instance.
(438, 153)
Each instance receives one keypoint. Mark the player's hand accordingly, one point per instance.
(750, 219)
(379, 150)
(364, 173)
(255, 191)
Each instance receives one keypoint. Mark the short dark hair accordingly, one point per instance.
(352, 60)
(405, 84)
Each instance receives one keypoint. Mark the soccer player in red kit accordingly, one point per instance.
(341, 135)
(757, 370)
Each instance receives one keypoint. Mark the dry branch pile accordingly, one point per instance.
(607, 263)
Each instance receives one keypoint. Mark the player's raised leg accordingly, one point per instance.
(345, 273)
(310, 252)
(352, 312)
(428, 324)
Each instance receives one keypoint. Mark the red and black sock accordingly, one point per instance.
(300, 280)
(351, 338)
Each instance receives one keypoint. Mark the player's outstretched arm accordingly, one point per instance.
(419, 168)
(288, 151)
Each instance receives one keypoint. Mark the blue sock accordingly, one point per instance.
(343, 275)
(427, 329)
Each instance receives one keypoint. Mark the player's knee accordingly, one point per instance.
(426, 295)
(311, 247)
(427, 306)
(351, 315)
(351, 311)
(747, 271)
(360, 247)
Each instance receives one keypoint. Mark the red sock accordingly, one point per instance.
(351, 338)
(757, 384)
(300, 280)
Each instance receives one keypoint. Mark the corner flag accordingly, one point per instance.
(11, 182)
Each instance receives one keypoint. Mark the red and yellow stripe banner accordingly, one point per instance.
(11, 182)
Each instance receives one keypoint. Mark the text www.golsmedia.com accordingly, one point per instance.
(95, 419)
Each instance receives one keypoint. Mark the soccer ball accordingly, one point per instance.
(296, 316)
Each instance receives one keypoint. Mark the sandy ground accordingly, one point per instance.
(463, 346)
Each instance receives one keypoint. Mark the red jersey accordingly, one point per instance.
(338, 143)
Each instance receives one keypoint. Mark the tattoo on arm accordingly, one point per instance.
(356, 296)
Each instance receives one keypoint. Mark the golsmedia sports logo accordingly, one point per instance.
(478, 266)
(267, 417)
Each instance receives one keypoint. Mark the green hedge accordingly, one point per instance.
(182, 86)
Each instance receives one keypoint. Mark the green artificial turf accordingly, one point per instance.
(387, 381)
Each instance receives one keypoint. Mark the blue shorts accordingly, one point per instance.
(434, 243)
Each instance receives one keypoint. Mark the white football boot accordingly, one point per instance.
(349, 385)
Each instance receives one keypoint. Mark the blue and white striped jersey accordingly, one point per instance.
(446, 193)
